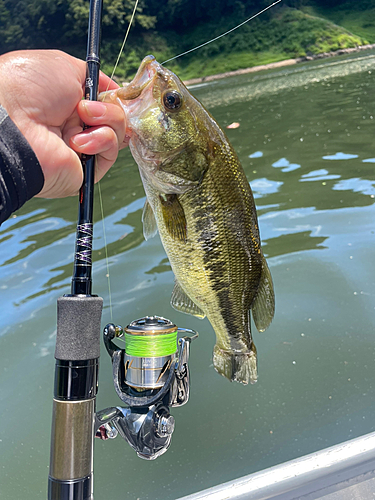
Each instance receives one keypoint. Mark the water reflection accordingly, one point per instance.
(286, 165)
(306, 144)
(35, 236)
(299, 240)
(319, 175)
(264, 187)
(297, 142)
(356, 185)
(247, 87)
(257, 154)
(163, 267)
(340, 156)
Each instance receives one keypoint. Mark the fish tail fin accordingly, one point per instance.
(236, 366)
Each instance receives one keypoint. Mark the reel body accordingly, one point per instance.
(151, 374)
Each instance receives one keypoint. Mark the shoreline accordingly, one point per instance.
(279, 64)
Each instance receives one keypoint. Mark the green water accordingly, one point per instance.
(306, 144)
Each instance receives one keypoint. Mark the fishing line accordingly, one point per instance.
(100, 191)
(223, 34)
(124, 42)
(106, 251)
(168, 60)
(151, 345)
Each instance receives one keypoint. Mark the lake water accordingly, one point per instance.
(306, 142)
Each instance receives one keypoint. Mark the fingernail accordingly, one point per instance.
(95, 109)
(82, 139)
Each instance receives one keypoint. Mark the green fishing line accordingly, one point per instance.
(145, 346)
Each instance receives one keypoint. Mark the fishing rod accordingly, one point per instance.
(150, 373)
(78, 332)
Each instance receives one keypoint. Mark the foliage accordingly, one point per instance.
(286, 34)
(62, 23)
(358, 18)
(167, 28)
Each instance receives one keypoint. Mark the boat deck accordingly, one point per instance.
(342, 472)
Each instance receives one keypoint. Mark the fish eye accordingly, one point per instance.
(172, 100)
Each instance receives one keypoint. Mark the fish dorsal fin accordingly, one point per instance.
(174, 216)
(181, 302)
(264, 303)
(149, 222)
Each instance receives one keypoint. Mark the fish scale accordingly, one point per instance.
(200, 200)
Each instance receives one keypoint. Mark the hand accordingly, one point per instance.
(42, 92)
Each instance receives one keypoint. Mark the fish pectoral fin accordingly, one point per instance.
(180, 184)
(264, 303)
(181, 302)
(149, 222)
(174, 216)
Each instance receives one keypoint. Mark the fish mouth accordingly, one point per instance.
(146, 73)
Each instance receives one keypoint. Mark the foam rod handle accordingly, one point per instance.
(78, 327)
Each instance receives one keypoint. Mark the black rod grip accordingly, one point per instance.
(78, 327)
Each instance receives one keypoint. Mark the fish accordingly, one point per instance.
(200, 201)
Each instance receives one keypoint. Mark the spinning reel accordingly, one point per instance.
(150, 374)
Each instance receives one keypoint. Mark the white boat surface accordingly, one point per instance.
(342, 472)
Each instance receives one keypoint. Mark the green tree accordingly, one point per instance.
(116, 17)
(62, 23)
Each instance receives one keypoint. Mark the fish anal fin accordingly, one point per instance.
(263, 307)
(149, 222)
(181, 302)
(174, 216)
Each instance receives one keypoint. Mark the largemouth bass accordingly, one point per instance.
(199, 199)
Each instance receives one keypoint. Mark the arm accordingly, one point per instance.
(21, 176)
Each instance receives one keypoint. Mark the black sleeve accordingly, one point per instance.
(21, 176)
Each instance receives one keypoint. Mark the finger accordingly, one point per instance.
(96, 141)
(96, 114)
(104, 162)
(102, 142)
(63, 173)
(72, 126)
(106, 83)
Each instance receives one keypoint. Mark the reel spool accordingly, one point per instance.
(150, 350)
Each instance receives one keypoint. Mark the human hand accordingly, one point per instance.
(42, 92)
